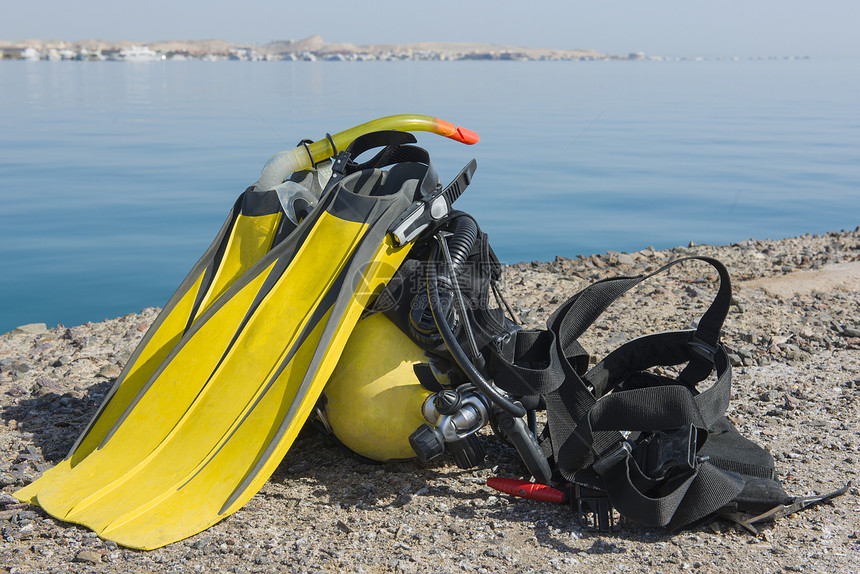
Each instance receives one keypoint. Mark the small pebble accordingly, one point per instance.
(87, 557)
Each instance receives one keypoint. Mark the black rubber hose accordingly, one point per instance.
(469, 369)
(464, 232)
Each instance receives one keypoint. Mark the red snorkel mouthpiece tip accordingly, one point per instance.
(457, 133)
(468, 137)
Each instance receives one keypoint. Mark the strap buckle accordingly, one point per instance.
(593, 509)
(703, 349)
(667, 451)
(341, 160)
(430, 209)
(609, 459)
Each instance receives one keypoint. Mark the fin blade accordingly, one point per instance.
(201, 451)
(250, 239)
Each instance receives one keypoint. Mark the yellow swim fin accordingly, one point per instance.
(259, 220)
(218, 390)
(255, 223)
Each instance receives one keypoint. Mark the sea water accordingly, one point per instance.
(115, 177)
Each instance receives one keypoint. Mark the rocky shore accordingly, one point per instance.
(794, 332)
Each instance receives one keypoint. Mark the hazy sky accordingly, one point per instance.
(658, 27)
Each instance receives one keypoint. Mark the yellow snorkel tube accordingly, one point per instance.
(306, 156)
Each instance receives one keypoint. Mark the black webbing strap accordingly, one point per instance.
(651, 409)
(549, 362)
(377, 139)
(704, 491)
(598, 438)
(533, 363)
(393, 154)
(579, 312)
(576, 314)
(590, 416)
(708, 331)
(648, 409)
(527, 363)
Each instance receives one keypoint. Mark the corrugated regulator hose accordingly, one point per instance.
(457, 353)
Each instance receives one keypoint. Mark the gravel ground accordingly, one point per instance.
(794, 331)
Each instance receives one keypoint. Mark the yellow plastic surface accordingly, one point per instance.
(373, 399)
(191, 439)
(192, 415)
(322, 150)
(250, 239)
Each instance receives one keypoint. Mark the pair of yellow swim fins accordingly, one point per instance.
(233, 366)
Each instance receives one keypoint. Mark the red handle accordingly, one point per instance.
(525, 489)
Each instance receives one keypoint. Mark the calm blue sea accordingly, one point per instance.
(114, 177)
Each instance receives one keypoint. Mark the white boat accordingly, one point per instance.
(138, 54)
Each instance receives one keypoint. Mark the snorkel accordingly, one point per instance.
(307, 155)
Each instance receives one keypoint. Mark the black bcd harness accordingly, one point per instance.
(656, 448)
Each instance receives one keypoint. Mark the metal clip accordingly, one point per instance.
(799, 503)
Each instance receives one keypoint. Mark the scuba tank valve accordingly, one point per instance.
(453, 419)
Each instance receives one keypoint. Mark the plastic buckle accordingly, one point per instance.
(340, 162)
(593, 509)
(665, 451)
(607, 461)
(418, 218)
(424, 213)
(702, 349)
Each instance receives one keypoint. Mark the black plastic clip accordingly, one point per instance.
(609, 459)
(331, 142)
(305, 143)
(593, 509)
(423, 214)
(703, 349)
(667, 451)
(340, 163)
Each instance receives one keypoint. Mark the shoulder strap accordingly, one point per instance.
(537, 362)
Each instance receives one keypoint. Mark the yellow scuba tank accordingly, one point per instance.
(373, 398)
(374, 401)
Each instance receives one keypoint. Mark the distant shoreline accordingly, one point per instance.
(314, 48)
(310, 48)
